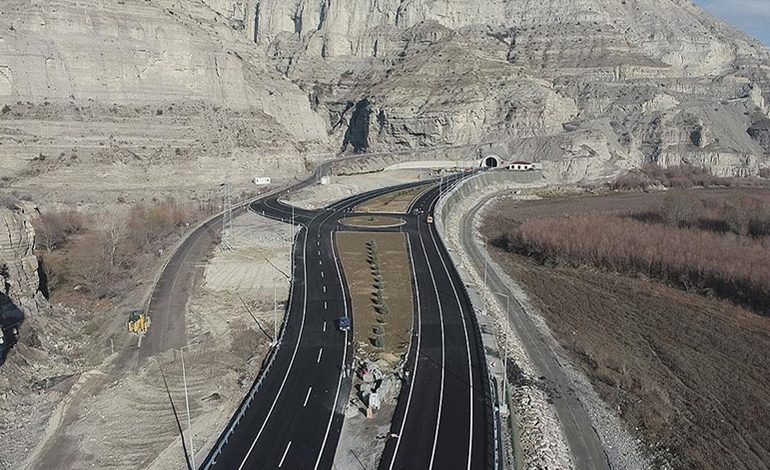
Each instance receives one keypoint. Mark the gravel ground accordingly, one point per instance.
(340, 187)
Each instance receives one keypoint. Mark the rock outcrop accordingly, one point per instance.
(650, 80)
(647, 80)
(20, 295)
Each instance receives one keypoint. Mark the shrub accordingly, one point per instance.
(729, 265)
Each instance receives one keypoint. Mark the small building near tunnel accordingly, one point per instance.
(522, 166)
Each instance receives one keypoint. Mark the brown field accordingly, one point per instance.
(687, 373)
(397, 202)
(396, 276)
(372, 221)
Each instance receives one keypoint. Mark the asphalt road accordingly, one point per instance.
(444, 415)
(584, 444)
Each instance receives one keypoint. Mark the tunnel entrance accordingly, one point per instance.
(491, 161)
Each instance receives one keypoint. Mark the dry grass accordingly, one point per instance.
(727, 265)
(686, 372)
(396, 277)
(397, 202)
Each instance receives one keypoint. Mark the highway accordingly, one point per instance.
(444, 417)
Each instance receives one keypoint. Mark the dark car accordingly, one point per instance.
(343, 323)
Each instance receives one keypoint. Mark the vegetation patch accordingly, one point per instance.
(102, 255)
(687, 372)
(378, 275)
(372, 221)
(395, 202)
(727, 262)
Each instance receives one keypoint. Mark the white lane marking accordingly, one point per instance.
(324, 288)
(293, 356)
(320, 262)
(467, 347)
(443, 355)
(324, 326)
(320, 351)
(326, 306)
(322, 274)
(319, 252)
(307, 397)
(416, 357)
(344, 353)
(284, 455)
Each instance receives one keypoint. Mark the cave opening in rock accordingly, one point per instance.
(357, 134)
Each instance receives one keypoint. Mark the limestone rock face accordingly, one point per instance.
(140, 52)
(18, 263)
(658, 80)
(643, 80)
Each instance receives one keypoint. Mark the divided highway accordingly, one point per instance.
(444, 417)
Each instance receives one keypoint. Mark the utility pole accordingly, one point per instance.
(505, 348)
(275, 315)
(187, 405)
(227, 217)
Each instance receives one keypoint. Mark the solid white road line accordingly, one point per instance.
(416, 357)
(344, 352)
(291, 362)
(467, 348)
(320, 351)
(307, 397)
(443, 354)
(284, 454)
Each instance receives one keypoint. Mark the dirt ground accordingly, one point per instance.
(688, 374)
(396, 277)
(340, 187)
(363, 439)
(372, 221)
(517, 210)
(120, 416)
(393, 202)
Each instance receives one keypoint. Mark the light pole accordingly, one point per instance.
(485, 260)
(505, 347)
(187, 405)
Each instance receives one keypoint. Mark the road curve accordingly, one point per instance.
(444, 416)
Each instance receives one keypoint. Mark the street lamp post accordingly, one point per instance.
(485, 260)
(505, 347)
(187, 405)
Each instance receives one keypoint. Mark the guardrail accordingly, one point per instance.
(235, 420)
(440, 216)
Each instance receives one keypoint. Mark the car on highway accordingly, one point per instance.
(343, 323)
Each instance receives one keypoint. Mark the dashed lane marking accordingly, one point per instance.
(284, 455)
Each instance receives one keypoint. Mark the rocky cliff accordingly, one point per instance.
(223, 83)
(637, 81)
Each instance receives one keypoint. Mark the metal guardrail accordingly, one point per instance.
(235, 420)
(440, 212)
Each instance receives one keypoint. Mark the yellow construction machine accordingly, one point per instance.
(138, 323)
